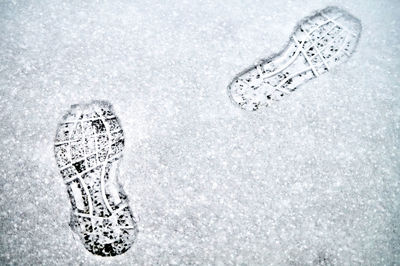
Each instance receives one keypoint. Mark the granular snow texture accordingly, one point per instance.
(313, 179)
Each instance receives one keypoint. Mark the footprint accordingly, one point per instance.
(319, 42)
(88, 148)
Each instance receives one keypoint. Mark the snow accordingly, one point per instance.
(312, 179)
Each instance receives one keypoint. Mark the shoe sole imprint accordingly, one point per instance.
(318, 43)
(88, 148)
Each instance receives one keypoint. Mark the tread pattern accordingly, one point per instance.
(319, 42)
(88, 147)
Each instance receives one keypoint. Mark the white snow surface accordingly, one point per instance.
(313, 179)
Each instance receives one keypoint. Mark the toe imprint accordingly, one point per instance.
(319, 42)
(88, 147)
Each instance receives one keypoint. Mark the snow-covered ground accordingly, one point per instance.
(312, 179)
